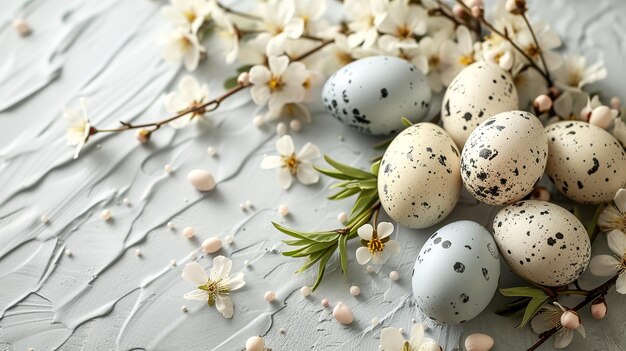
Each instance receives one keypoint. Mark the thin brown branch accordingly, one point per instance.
(543, 60)
(238, 13)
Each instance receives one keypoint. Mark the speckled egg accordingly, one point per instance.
(372, 94)
(504, 157)
(456, 273)
(479, 91)
(585, 162)
(542, 242)
(419, 181)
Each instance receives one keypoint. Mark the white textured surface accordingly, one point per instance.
(103, 296)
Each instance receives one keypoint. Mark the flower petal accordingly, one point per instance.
(384, 229)
(581, 330)
(196, 295)
(620, 284)
(278, 64)
(366, 231)
(259, 75)
(363, 255)
(617, 242)
(392, 247)
(306, 174)
(225, 305)
(195, 274)
(260, 94)
(391, 339)
(284, 178)
(236, 281)
(308, 152)
(620, 200)
(284, 145)
(417, 335)
(380, 257)
(541, 322)
(221, 268)
(604, 265)
(270, 162)
(563, 338)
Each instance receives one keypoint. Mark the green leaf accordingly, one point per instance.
(366, 199)
(383, 145)
(406, 122)
(513, 307)
(523, 291)
(343, 254)
(320, 237)
(321, 270)
(344, 193)
(375, 168)
(244, 68)
(309, 249)
(230, 83)
(348, 170)
(315, 258)
(332, 173)
(532, 309)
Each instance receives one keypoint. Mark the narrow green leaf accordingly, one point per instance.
(375, 168)
(345, 193)
(532, 309)
(230, 83)
(315, 258)
(309, 249)
(244, 68)
(406, 122)
(343, 254)
(344, 184)
(365, 200)
(321, 270)
(320, 237)
(383, 145)
(331, 173)
(348, 170)
(297, 242)
(523, 291)
(513, 307)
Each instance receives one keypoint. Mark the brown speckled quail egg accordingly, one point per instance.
(585, 162)
(478, 92)
(542, 242)
(504, 157)
(419, 181)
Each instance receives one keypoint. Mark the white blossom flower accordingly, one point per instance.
(430, 47)
(403, 22)
(279, 84)
(290, 164)
(499, 51)
(619, 130)
(613, 216)
(575, 72)
(290, 112)
(182, 45)
(377, 245)
(364, 16)
(190, 94)
(337, 54)
(227, 34)
(409, 53)
(550, 317)
(548, 40)
(392, 340)
(529, 84)
(216, 287)
(570, 103)
(280, 22)
(189, 14)
(311, 12)
(79, 128)
(607, 265)
(254, 51)
(457, 55)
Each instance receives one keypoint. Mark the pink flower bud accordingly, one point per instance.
(598, 309)
(554, 92)
(516, 7)
(615, 103)
(21, 27)
(459, 11)
(570, 319)
(542, 103)
(477, 12)
(244, 79)
(143, 135)
(601, 116)
(585, 113)
(472, 3)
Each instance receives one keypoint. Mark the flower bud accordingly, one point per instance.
(554, 92)
(585, 114)
(598, 308)
(601, 116)
(542, 103)
(21, 27)
(516, 7)
(472, 3)
(244, 79)
(143, 135)
(615, 103)
(459, 11)
(477, 12)
(570, 319)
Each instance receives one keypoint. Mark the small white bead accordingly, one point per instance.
(370, 269)
(173, 263)
(242, 206)
(255, 343)
(295, 125)
(21, 27)
(413, 320)
(342, 217)
(211, 151)
(168, 168)
(189, 232)
(247, 263)
(126, 201)
(228, 239)
(44, 219)
(138, 253)
(212, 244)
(401, 330)
(281, 129)
(193, 256)
(170, 225)
(374, 322)
(106, 215)
(269, 296)
(68, 252)
(283, 210)
(325, 303)
(258, 121)
(282, 330)
(248, 204)
(394, 276)
(31, 349)
(183, 308)
(305, 291)
(355, 290)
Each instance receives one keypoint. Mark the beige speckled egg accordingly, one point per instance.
(585, 162)
(542, 242)
(419, 181)
(478, 92)
(504, 157)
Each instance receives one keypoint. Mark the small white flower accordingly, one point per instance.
(391, 339)
(410, 53)
(403, 22)
(290, 164)
(337, 54)
(606, 265)
(253, 51)
(550, 317)
(377, 245)
(182, 45)
(364, 16)
(227, 34)
(216, 287)
(310, 11)
(430, 48)
(290, 112)
(79, 128)
(457, 55)
(189, 14)
(279, 84)
(575, 72)
(190, 94)
(619, 130)
(280, 22)
(548, 40)
(570, 103)
(613, 216)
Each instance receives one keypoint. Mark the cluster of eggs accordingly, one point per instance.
(498, 154)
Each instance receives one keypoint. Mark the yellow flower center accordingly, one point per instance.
(406, 346)
(433, 61)
(190, 15)
(291, 163)
(213, 290)
(574, 77)
(403, 32)
(343, 57)
(466, 60)
(375, 245)
(275, 83)
(533, 51)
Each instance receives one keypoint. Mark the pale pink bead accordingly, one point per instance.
(570, 319)
(244, 79)
(601, 116)
(478, 342)
(542, 103)
(615, 103)
(325, 303)
(598, 310)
